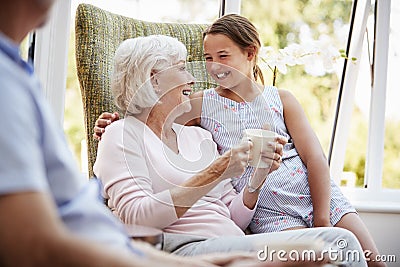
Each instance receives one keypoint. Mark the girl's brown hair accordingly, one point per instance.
(241, 31)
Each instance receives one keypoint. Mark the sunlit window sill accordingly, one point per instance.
(377, 207)
(374, 200)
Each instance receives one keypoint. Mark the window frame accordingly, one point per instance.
(384, 200)
(51, 56)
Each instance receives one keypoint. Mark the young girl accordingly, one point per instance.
(300, 193)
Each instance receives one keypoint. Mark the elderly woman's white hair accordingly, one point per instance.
(134, 61)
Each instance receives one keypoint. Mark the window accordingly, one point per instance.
(391, 159)
(202, 11)
(361, 143)
(367, 150)
(375, 110)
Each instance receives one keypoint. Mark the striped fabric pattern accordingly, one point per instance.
(285, 199)
(98, 33)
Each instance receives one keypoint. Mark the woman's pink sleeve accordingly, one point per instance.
(240, 214)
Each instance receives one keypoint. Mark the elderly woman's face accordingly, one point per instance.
(174, 85)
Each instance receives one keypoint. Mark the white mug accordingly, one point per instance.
(260, 139)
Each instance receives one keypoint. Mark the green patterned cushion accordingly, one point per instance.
(98, 34)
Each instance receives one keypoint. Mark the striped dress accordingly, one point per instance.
(285, 199)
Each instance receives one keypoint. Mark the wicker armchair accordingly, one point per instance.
(98, 34)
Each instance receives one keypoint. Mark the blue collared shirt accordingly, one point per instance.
(12, 50)
(34, 155)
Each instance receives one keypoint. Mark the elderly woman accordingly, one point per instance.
(161, 174)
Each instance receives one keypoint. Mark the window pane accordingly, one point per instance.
(199, 11)
(356, 150)
(357, 143)
(24, 47)
(391, 170)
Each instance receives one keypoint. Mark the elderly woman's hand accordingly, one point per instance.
(105, 119)
(233, 162)
(273, 157)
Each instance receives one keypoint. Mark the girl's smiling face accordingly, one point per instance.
(226, 62)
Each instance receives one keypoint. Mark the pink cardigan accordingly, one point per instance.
(137, 170)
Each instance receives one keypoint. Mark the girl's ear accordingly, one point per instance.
(251, 52)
